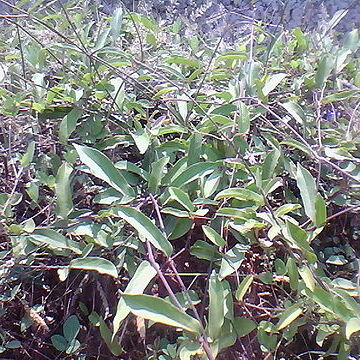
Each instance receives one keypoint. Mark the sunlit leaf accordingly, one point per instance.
(244, 287)
(288, 316)
(101, 167)
(216, 307)
(101, 265)
(161, 311)
(308, 191)
(145, 227)
(136, 286)
(64, 203)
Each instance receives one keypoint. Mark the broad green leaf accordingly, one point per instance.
(101, 265)
(352, 40)
(288, 316)
(116, 23)
(243, 118)
(203, 250)
(71, 328)
(181, 60)
(325, 67)
(285, 209)
(224, 110)
(187, 349)
(297, 236)
(106, 334)
(240, 194)
(144, 226)
(59, 342)
(178, 227)
(297, 145)
(68, 124)
(352, 326)
(270, 163)
(273, 82)
(308, 277)
(136, 286)
(194, 148)
(211, 183)
(64, 203)
(216, 307)
(157, 173)
(308, 191)
(244, 287)
(213, 236)
(161, 311)
(27, 158)
(142, 140)
(101, 167)
(244, 326)
(232, 260)
(181, 197)
(194, 172)
(236, 213)
(340, 96)
(292, 270)
(296, 111)
(55, 240)
(320, 211)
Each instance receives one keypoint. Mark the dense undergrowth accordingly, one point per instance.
(165, 197)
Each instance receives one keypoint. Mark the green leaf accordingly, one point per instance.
(236, 213)
(216, 307)
(308, 277)
(181, 197)
(102, 266)
(270, 163)
(297, 145)
(136, 286)
(142, 140)
(308, 191)
(292, 270)
(340, 96)
(64, 203)
(240, 194)
(161, 311)
(211, 183)
(71, 328)
(297, 236)
(232, 260)
(68, 124)
(296, 111)
(324, 69)
(320, 211)
(157, 173)
(213, 236)
(244, 287)
(106, 334)
(116, 23)
(194, 172)
(244, 326)
(273, 82)
(144, 227)
(285, 209)
(27, 158)
(181, 60)
(55, 240)
(224, 110)
(194, 148)
(288, 316)
(59, 342)
(352, 326)
(101, 167)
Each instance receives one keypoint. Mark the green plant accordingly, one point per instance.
(199, 186)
